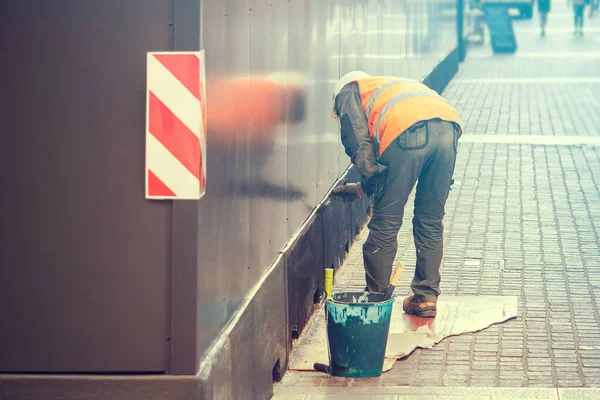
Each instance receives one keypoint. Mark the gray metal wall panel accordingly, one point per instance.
(224, 213)
(267, 157)
(313, 145)
(83, 257)
(264, 170)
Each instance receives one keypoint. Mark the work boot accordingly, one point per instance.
(419, 308)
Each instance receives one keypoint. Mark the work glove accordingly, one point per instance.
(375, 183)
(348, 193)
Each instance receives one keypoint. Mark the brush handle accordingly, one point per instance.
(322, 368)
(328, 282)
(390, 289)
(397, 273)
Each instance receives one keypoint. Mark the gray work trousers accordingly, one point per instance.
(426, 152)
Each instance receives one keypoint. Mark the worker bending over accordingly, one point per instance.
(397, 132)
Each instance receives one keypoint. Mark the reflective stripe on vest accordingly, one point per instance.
(380, 90)
(397, 99)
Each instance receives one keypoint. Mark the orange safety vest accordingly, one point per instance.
(392, 105)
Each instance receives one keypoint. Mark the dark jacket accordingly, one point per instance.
(356, 138)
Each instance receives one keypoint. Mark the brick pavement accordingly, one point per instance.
(521, 220)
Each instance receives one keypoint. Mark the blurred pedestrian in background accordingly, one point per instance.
(543, 9)
(594, 9)
(579, 9)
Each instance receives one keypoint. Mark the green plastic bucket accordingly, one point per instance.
(358, 324)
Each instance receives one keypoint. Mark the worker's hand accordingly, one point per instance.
(348, 193)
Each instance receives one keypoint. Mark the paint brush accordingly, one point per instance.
(390, 289)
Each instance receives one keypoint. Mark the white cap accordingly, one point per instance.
(344, 80)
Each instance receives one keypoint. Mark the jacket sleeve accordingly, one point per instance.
(355, 134)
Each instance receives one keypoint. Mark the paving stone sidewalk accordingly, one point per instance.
(521, 220)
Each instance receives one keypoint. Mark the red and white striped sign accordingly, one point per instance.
(175, 125)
